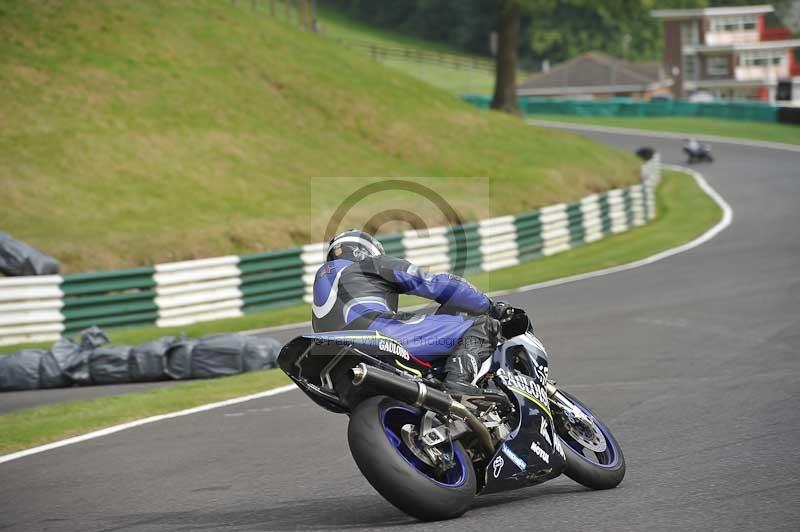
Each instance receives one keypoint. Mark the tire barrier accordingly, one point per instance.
(34, 309)
(758, 111)
(94, 361)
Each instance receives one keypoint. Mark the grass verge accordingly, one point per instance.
(742, 129)
(37, 426)
(684, 212)
(135, 133)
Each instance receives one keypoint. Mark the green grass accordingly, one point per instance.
(454, 80)
(743, 129)
(684, 212)
(37, 426)
(135, 133)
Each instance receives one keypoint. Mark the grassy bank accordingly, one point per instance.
(742, 129)
(684, 212)
(444, 76)
(135, 133)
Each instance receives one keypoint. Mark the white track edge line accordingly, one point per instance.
(727, 217)
(664, 134)
(144, 421)
(725, 221)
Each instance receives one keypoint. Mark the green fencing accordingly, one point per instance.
(121, 298)
(464, 248)
(271, 279)
(529, 235)
(623, 107)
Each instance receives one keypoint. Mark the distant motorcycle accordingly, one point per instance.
(698, 153)
(427, 453)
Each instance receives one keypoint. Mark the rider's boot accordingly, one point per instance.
(461, 368)
(463, 364)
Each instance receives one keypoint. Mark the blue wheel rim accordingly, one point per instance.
(609, 458)
(393, 418)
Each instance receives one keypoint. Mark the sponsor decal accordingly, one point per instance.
(497, 465)
(393, 348)
(538, 451)
(557, 445)
(519, 462)
(526, 385)
(544, 433)
(542, 372)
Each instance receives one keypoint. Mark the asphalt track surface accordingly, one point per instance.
(692, 361)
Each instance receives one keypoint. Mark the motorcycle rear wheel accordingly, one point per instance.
(393, 470)
(596, 470)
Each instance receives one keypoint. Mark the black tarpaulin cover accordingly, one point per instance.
(18, 258)
(95, 361)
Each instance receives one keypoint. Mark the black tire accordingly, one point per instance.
(394, 477)
(583, 471)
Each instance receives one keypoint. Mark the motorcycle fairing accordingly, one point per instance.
(532, 453)
(317, 362)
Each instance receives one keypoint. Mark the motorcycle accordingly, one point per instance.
(429, 454)
(699, 155)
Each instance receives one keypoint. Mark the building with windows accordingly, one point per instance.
(728, 52)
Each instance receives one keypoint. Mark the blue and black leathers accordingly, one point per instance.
(363, 294)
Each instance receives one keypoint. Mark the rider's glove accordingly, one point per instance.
(499, 310)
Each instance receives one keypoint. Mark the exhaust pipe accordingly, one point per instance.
(418, 394)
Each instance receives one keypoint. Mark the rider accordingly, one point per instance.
(358, 287)
(692, 145)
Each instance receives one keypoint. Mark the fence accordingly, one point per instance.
(179, 293)
(622, 107)
(383, 53)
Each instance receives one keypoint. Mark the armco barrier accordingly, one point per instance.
(179, 293)
(757, 111)
(30, 309)
(271, 279)
(122, 298)
(198, 290)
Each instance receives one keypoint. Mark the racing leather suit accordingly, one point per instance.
(351, 294)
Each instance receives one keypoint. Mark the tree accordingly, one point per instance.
(505, 84)
(508, 45)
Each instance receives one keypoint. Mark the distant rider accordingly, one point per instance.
(358, 288)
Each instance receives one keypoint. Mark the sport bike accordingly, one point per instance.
(429, 454)
(701, 155)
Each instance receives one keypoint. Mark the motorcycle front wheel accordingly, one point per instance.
(401, 477)
(594, 458)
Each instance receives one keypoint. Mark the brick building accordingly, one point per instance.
(728, 51)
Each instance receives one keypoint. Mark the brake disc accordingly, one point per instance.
(586, 433)
(580, 426)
